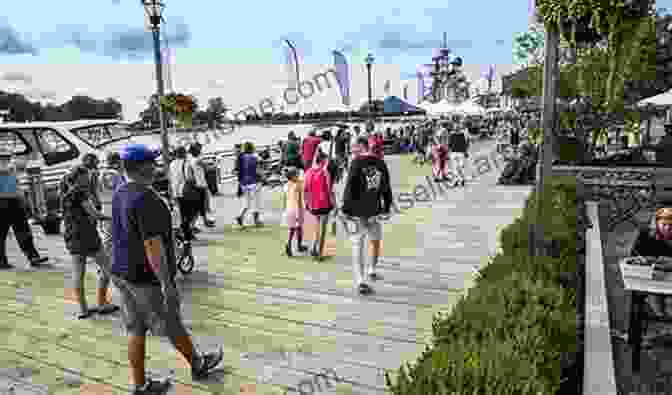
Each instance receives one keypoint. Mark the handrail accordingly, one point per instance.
(598, 370)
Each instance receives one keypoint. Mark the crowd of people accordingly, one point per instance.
(135, 248)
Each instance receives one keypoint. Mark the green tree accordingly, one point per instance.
(528, 48)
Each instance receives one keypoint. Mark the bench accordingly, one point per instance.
(638, 281)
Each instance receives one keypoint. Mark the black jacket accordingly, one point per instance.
(367, 191)
(458, 142)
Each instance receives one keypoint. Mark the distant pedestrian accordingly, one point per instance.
(182, 179)
(459, 148)
(367, 195)
(13, 213)
(82, 239)
(250, 184)
(199, 170)
(144, 269)
(294, 210)
(320, 200)
(292, 152)
(308, 148)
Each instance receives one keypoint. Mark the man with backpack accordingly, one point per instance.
(367, 195)
(320, 199)
(377, 145)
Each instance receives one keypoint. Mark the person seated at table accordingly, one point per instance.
(656, 241)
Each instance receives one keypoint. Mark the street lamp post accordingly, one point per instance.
(369, 62)
(154, 10)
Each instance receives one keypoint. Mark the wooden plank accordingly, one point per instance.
(288, 374)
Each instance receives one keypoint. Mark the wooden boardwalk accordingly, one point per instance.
(287, 325)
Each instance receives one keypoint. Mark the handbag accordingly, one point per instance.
(190, 192)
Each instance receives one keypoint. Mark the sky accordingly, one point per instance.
(235, 49)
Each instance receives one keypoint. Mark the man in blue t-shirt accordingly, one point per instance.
(144, 270)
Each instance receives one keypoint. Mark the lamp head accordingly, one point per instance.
(154, 10)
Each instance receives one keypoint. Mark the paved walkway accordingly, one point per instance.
(287, 325)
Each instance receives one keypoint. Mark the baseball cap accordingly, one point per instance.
(138, 153)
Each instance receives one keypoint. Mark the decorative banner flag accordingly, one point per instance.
(167, 59)
(489, 75)
(292, 66)
(386, 88)
(342, 76)
(406, 92)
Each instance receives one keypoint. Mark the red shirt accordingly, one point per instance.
(308, 147)
(376, 146)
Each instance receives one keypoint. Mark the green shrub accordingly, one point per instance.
(501, 338)
(506, 336)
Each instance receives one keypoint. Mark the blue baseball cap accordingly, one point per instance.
(139, 153)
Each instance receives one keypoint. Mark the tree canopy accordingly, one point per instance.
(78, 107)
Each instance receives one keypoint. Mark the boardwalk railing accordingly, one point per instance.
(598, 373)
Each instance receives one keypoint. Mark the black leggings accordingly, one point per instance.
(15, 217)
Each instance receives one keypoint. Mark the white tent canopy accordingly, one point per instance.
(470, 108)
(443, 107)
(664, 99)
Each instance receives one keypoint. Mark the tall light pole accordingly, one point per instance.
(369, 62)
(154, 10)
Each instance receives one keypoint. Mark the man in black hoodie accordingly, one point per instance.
(367, 195)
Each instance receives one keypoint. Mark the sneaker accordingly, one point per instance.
(4, 264)
(207, 363)
(288, 250)
(364, 289)
(153, 387)
(37, 261)
(375, 276)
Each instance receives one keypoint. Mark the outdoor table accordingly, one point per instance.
(637, 280)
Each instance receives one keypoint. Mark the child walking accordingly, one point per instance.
(293, 204)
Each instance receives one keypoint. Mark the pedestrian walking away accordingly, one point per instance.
(308, 148)
(250, 185)
(294, 210)
(320, 200)
(182, 180)
(199, 170)
(459, 148)
(82, 240)
(144, 269)
(14, 213)
(367, 195)
(292, 154)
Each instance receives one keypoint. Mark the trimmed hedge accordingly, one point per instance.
(510, 332)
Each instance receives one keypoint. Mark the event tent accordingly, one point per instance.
(394, 105)
(443, 107)
(470, 108)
